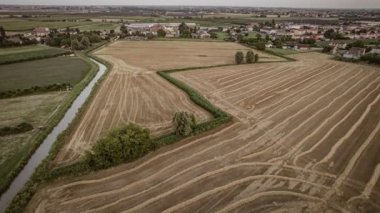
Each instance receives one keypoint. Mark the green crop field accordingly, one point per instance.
(99, 27)
(16, 54)
(283, 51)
(35, 110)
(19, 24)
(64, 69)
(222, 35)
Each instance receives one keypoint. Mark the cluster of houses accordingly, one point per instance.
(340, 49)
(171, 29)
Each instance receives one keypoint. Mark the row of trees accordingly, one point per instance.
(6, 42)
(34, 90)
(249, 58)
(77, 41)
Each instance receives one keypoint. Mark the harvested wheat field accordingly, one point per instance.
(128, 94)
(162, 55)
(304, 139)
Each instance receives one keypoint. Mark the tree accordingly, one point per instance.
(273, 23)
(75, 45)
(250, 57)
(161, 33)
(123, 29)
(184, 123)
(2, 33)
(258, 36)
(214, 35)
(85, 42)
(260, 46)
(358, 43)
(120, 145)
(239, 57)
(329, 33)
(257, 58)
(184, 30)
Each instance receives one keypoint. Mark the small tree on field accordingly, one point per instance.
(250, 57)
(239, 57)
(257, 58)
(184, 123)
(161, 33)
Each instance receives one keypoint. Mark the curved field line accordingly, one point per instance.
(313, 75)
(242, 202)
(188, 183)
(309, 86)
(232, 184)
(240, 84)
(339, 181)
(370, 185)
(155, 158)
(314, 72)
(126, 187)
(337, 111)
(333, 128)
(294, 115)
(348, 134)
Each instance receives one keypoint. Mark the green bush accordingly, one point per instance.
(34, 90)
(20, 128)
(371, 58)
(123, 144)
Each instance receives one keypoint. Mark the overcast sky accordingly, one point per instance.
(252, 3)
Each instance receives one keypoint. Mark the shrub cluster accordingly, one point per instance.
(250, 57)
(123, 144)
(20, 128)
(34, 90)
(371, 58)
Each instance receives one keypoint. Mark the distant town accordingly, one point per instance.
(344, 33)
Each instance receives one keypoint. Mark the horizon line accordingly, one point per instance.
(146, 5)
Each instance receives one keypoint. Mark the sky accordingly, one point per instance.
(251, 3)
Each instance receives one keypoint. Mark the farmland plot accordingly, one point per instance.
(128, 94)
(162, 55)
(304, 138)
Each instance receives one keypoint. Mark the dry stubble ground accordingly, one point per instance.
(304, 138)
(133, 92)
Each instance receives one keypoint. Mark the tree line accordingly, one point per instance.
(250, 57)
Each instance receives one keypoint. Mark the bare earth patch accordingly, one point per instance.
(305, 138)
